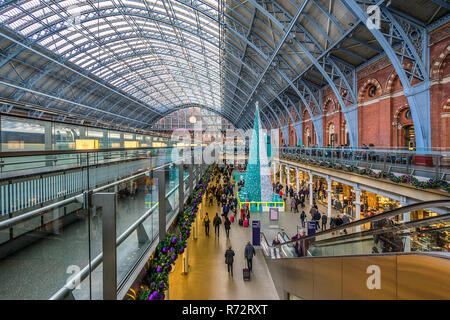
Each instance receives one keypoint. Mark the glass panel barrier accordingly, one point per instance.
(48, 223)
(388, 232)
(43, 247)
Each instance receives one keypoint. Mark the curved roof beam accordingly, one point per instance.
(326, 66)
(412, 39)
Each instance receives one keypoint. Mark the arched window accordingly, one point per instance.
(331, 135)
(346, 139)
(308, 137)
(372, 91)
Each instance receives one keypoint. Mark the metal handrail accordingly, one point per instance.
(65, 290)
(401, 226)
(384, 215)
(57, 152)
(367, 151)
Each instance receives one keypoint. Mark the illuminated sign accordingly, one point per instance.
(86, 144)
(131, 144)
(273, 214)
(158, 144)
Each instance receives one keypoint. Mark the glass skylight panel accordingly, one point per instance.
(161, 67)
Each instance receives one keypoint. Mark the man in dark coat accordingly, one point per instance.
(303, 217)
(229, 259)
(227, 225)
(249, 252)
(324, 222)
(217, 222)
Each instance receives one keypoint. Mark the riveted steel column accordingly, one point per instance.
(180, 188)
(161, 176)
(108, 203)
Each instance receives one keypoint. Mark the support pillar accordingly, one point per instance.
(180, 188)
(161, 176)
(186, 260)
(48, 142)
(108, 203)
(357, 204)
(310, 188)
(406, 218)
(281, 173)
(297, 179)
(288, 175)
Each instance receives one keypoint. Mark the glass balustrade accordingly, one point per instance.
(389, 232)
(51, 233)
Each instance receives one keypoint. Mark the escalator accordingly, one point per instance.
(375, 258)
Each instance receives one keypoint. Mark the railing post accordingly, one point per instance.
(357, 204)
(406, 219)
(161, 176)
(180, 188)
(108, 203)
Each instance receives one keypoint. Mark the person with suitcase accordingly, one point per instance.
(229, 259)
(227, 225)
(249, 252)
(303, 217)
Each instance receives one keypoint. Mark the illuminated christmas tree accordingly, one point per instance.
(258, 186)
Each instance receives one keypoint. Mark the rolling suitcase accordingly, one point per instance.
(241, 222)
(232, 218)
(245, 223)
(246, 274)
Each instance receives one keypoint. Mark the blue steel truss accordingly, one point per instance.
(132, 62)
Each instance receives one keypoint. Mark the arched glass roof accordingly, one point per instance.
(163, 53)
(131, 62)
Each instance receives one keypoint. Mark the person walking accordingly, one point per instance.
(324, 222)
(297, 202)
(227, 225)
(217, 222)
(225, 210)
(229, 259)
(293, 204)
(249, 252)
(345, 220)
(303, 217)
(316, 218)
(338, 222)
(206, 221)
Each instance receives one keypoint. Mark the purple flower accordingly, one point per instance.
(161, 286)
(182, 250)
(174, 239)
(164, 250)
(174, 257)
(158, 269)
(171, 249)
(187, 231)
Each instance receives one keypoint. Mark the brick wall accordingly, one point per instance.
(382, 111)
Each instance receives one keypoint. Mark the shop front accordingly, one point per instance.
(434, 237)
(342, 198)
